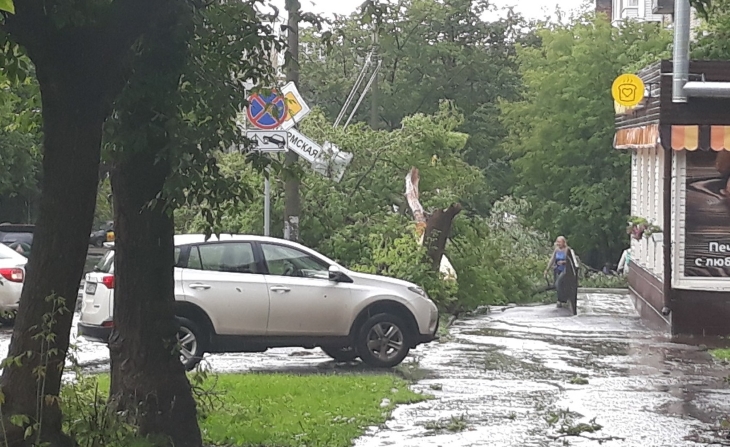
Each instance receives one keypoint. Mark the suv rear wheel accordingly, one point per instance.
(191, 339)
(346, 354)
(383, 341)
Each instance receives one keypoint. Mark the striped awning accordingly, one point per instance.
(640, 137)
(694, 137)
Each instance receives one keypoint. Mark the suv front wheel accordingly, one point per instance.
(383, 341)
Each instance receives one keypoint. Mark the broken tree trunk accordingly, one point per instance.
(433, 229)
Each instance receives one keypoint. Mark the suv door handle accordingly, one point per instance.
(280, 289)
(199, 286)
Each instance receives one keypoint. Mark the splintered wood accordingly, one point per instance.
(432, 230)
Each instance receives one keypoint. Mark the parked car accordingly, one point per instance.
(104, 234)
(241, 293)
(12, 275)
(19, 237)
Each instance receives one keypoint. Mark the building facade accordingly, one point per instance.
(680, 181)
(643, 10)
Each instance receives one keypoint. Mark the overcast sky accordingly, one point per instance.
(531, 9)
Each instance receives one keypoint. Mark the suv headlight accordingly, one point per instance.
(418, 291)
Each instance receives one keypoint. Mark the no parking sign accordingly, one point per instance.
(266, 111)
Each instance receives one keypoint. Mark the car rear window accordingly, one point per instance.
(9, 238)
(106, 265)
(8, 253)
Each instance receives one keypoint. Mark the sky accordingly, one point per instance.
(530, 9)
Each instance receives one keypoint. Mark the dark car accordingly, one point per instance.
(19, 237)
(276, 139)
(104, 234)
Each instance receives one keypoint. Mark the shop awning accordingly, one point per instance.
(640, 137)
(694, 137)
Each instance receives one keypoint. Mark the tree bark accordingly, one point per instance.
(148, 380)
(438, 230)
(147, 377)
(74, 109)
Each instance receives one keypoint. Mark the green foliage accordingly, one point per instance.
(721, 354)
(315, 410)
(88, 419)
(188, 123)
(598, 280)
(459, 56)
(7, 5)
(713, 37)
(364, 222)
(561, 132)
(252, 409)
(104, 211)
(20, 159)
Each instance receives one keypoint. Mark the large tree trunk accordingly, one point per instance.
(147, 377)
(73, 115)
(148, 380)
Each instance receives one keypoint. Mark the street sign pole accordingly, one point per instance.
(292, 204)
(267, 204)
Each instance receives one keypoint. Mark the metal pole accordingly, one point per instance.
(680, 61)
(267, 204)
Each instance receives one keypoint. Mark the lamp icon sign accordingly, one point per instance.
(628, 90)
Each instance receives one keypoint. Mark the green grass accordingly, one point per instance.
(314, 410)
(285, 410)
(721, 354)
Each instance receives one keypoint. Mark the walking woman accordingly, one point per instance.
(559, 262)
(559, 259)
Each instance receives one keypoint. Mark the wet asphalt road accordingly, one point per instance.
(503, 375)
(499, 378)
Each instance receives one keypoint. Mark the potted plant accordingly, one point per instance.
(639, 226)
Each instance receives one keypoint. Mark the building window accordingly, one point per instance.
(632, 3)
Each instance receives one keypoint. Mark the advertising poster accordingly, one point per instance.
(707, 232)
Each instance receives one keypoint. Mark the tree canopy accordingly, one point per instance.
(561, 131)
(430, 51)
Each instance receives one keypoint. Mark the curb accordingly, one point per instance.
(596, 290)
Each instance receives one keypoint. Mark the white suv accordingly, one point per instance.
(239, 293)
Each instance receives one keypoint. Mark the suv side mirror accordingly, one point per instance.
(337, 275)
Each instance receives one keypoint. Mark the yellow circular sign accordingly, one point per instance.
(628, 90)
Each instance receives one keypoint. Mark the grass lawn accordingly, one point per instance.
(721, 354)
(313, 410)
(285, 410)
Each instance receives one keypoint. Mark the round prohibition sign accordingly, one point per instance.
(266, 111)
